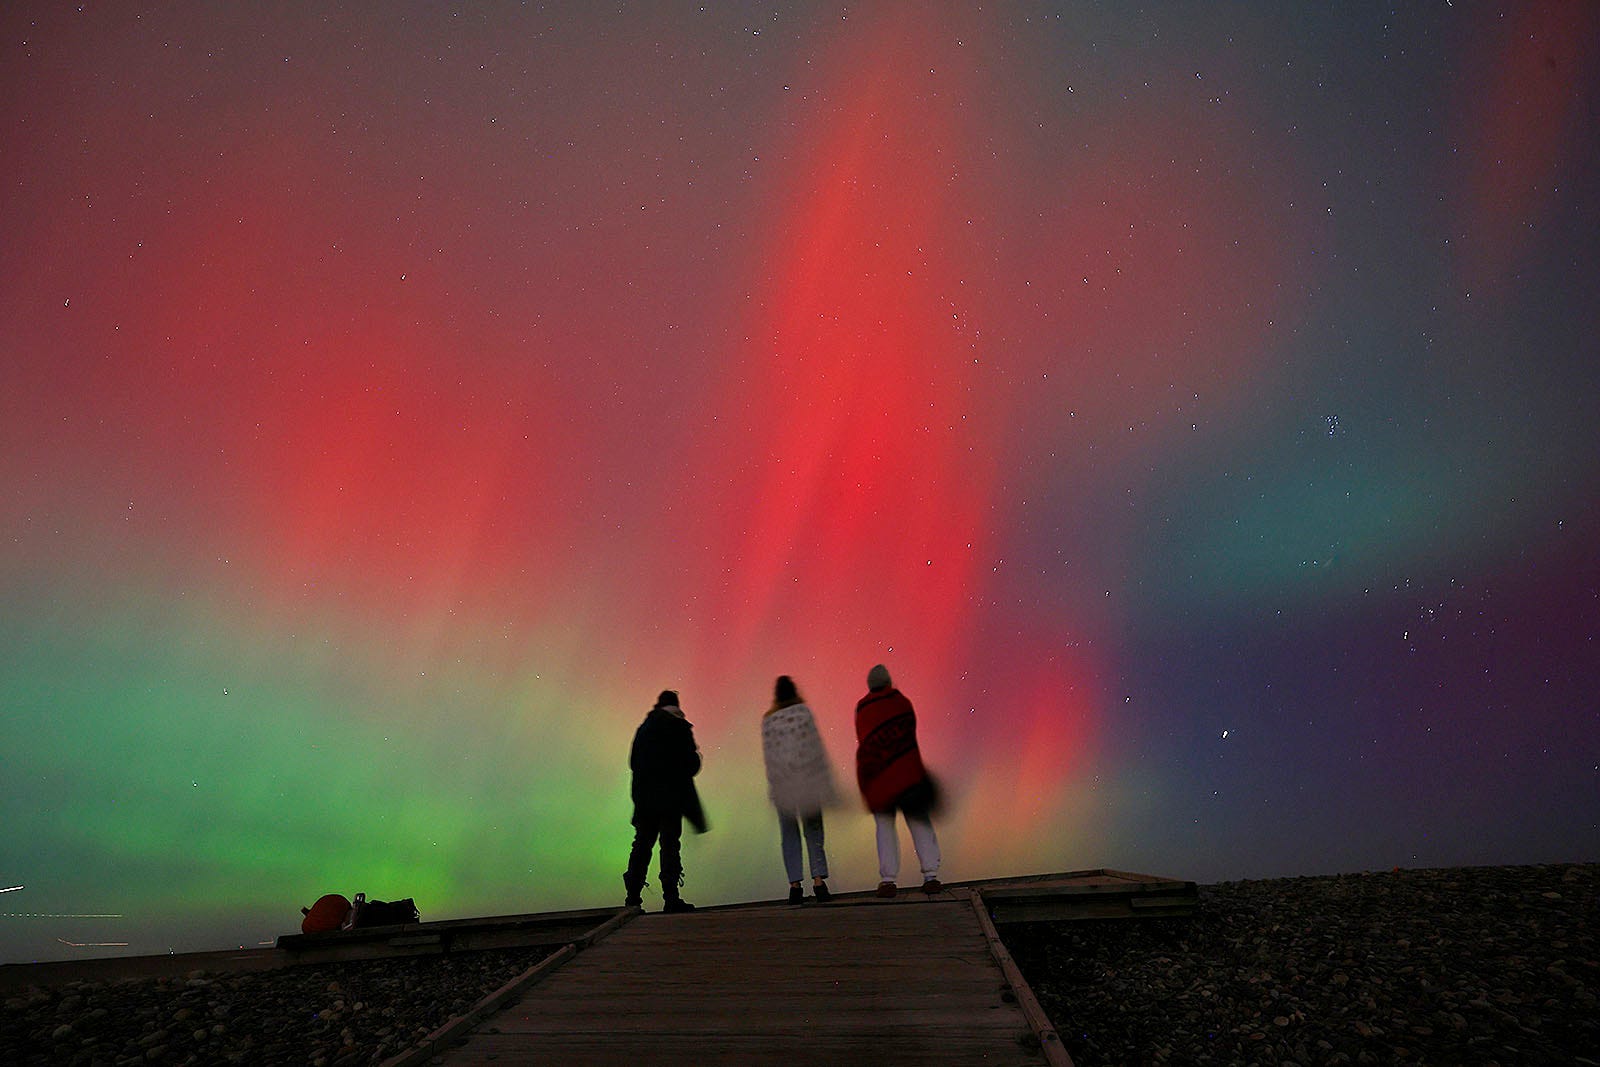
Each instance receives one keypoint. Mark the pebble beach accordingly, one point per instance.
(1480, 965)
(341, 1014)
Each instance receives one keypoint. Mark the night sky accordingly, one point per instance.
(1194, 406)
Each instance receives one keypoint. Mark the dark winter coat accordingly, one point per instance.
(665, 760)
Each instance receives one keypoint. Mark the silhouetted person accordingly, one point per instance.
(664, 761)
(800, 784)
(891, 776)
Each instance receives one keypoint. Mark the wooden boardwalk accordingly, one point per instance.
(910, 981)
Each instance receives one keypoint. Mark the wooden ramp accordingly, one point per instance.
(911, 981)
(1093, 894)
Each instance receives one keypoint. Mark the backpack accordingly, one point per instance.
(366, 912)
(328, 913)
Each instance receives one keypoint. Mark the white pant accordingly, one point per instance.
(923, 840)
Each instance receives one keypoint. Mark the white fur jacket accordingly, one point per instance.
(799, 776)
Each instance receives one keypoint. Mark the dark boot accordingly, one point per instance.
(669, 890)
(633, 879)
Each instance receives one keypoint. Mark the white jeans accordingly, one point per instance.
(923, 840)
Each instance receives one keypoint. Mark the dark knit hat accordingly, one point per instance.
(878, 677)
(667, 699)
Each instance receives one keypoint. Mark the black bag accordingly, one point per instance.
(922, 799)
(364, 912)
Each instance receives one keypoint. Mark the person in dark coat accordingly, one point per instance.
(664, 761)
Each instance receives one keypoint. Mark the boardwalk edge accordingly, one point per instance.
(1055, 1053)
(454, 1028)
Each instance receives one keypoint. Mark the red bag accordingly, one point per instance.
(326, 914)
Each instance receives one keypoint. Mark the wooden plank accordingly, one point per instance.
(536, 1010)
(1002, 1025)
(453, 935)
(1129, 896)
(1087, 889)
(586, 918)
(1091, 876)
(814, 1046)
(793, 983)
(1056, 909)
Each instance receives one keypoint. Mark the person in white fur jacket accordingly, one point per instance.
(800, 783)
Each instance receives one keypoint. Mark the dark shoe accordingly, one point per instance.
(821, 891)
(932, 886)
(886, 889)
(676, 904)
(796, 895)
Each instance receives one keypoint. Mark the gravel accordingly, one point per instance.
(337, 1014)
(1480, 965)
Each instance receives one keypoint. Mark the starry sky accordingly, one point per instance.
(1193, 405)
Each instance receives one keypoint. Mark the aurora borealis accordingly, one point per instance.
(1194, 406)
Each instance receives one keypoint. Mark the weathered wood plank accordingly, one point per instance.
(797, 990)
(1113, 895)
(552, 1005)
(736, 1020)
(548, 928)
(667, 1049)
(1051, 909)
